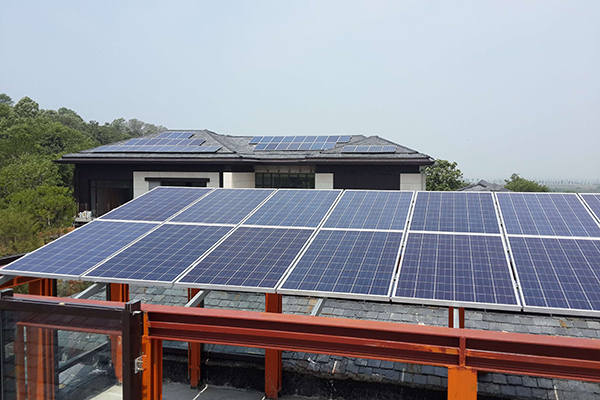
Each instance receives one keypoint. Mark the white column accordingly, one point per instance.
(239, 180)
(412, 181)
(323, 181)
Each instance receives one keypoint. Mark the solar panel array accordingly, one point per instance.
(164, 142)
(449, 248)
(454, 253)
(356, 251)
(369, 149)
(287, 143)
(554, 243)
(176, 135)
(155, 149)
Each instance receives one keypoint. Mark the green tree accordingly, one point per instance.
(518, 184)
(27, 108)
(5, 99)
(52, 207)
(28, 172)
(18, 232)
(444, 175)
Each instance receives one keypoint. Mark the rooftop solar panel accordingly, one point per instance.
(157, 205)
(461, 269)
(73, 254)
(295, 207)
(224, 206)
(363, 209)
(160, 256)
(346, 263)
(455, 212)
(369, 149)
(593, 202)
(546, 214)
(560, 274)
(176, 135)
(249, 258)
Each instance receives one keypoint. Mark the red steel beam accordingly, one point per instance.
(512, 353)
(273, 357)
(17, 281)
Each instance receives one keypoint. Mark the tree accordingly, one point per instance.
(27, 108)
(28, 172)
(444, 175)
(5, 99)
(52, 207)
(518, 184)
(18, 232)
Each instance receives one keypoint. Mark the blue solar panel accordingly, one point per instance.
(157, 205)
(369, 149)
(250, 257)
(455, 212)
(162, 255)
(295, 207)
(348, 262)
(546, 214)
(175, 135)
(593, 201)
(460, 268)
(75, 253)
(224, 206)
(370, 210)
(558, 273)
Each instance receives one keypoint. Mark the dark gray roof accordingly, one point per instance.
(484, 186)
(238, 148)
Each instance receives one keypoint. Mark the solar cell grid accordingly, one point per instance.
(157, 205)
(455, 212)
(546, 214)
(371, 210)
(249, 258)
(456, 268)
(162, 255)
(296, 207)
(369, 149)
(224, 206)
(558, 273)
(75, 253)
(347, 262)
(593, 201)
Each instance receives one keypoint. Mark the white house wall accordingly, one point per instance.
(141, 185)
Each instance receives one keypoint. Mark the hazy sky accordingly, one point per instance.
(499, 87)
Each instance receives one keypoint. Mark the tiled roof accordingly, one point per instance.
(238, 148)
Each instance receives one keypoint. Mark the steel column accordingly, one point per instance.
(152, 374)
(273, 361)
(462, 383)
(194, 351)
(120, 293)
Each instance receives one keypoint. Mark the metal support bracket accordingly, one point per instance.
(89, 292)
(318, 307)
(198, 298)
(140, 364)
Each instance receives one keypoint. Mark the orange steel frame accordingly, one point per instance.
(194, 351)
(462, 351)
(120, 293)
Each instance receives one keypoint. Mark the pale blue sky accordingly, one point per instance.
(499, 87)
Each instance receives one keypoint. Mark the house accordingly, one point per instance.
(483, 186)
(108, 176)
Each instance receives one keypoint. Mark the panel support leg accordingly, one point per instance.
(194, 350)
(273, 362)
(152, 374)
(117, 292)
(42, 365)
(462, 383)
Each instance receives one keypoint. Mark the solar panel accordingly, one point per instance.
(546, 214)
(346, 262)
(558, 273)
(160, 256)
(456, 268)
(249, 258)
(224, 206)
(593, 201)
(162, 142)
(369, 149)
(73, 254)
(157, 205)
(289, 143)
(363, 209)
(176, 135)
(455, 212)
(295, 207)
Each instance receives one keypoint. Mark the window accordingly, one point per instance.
(109, 194)
(292, 181)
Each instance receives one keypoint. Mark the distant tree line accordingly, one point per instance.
(444, 175)
(36, 194)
